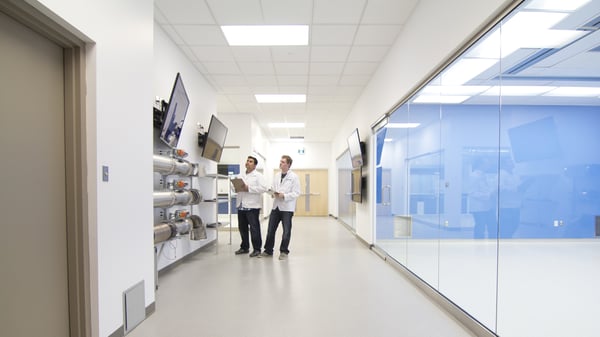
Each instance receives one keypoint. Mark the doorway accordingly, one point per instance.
(44, 249)
(314, 197)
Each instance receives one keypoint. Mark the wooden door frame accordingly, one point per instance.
(81, 265)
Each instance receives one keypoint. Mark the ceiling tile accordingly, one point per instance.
(237, 99)
(278, 12)
(292, 89)
(252, 54)
(329, 54)
(185, 11)
(367, 54)
(221, 68)
(337, 11)
(315, 90)
(354, 80)
(323, 80)
(288, 80)
(212, 53)
(388, 11)
(229, 80)
(292, 68)
(360, 68)
(262, 80)
(377, 35)
(235, 12)
(326, 68)
(266, 89)
(257, 68)
(201, 35)
(290, 54)
(332, 35)
(237, 90)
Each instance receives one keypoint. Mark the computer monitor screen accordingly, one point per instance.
(214, 140)
(175, 116)
(355, 149)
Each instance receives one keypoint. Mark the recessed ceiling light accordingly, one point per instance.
(288, 140)
(286, 125)
(517, 90)
(271, 35)
(281, 98)
(574, 92)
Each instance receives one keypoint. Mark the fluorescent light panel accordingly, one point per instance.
(280, 98)
(286, 125)
(270, 35)
(288, 140)
(465, 70)
(516, 90)
(574, 92)
(452, 90)
(557, 5)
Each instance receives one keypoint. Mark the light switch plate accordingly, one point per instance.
(104, 173)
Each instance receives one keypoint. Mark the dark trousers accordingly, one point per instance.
(286, 220)
(249, 225)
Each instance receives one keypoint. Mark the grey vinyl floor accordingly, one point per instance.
(331, 285)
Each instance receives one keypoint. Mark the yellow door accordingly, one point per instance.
(313, 200)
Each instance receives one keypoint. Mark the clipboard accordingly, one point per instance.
(238, 184)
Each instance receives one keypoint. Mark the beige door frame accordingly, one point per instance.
(82, 266)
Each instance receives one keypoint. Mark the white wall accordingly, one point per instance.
(119, 96)
(305, 155)
(435, 30)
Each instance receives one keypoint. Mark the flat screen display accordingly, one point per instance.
(214, 141)
(355, 149)
(175, 116)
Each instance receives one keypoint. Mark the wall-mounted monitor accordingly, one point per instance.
(213, 141)
(356, 149)
(175, 115)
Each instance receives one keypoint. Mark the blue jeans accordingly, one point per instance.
(286, 220)
(248, 223)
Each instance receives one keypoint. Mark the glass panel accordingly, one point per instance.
(494, 195)
(424, 206)
(393, 223)
(346, 208)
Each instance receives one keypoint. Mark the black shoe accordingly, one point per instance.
(241, 251)
(265, 254)
(255, 253)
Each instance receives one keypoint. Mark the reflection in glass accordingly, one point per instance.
(493, 196)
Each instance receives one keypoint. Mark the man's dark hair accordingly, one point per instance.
(255, 160)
